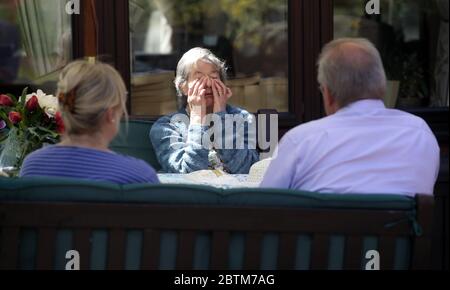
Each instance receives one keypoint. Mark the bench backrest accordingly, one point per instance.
(134, 140)
(194, 227)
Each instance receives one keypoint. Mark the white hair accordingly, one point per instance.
(188, 62)
(352, 74)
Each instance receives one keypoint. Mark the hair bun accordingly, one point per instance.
(67, 100)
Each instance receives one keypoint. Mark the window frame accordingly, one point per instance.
(310, 27)
(304, 46)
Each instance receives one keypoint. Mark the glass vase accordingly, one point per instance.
(12, 152)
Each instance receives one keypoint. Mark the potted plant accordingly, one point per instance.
(27, 123)
(407, 85)
(413, 86)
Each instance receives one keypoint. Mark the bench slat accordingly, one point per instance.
(150, 251)
(185, 255)
(287, 251)
(253, 250)
(220, 250)
(353, 253)
(46, 248)
(82, 244)
(9, 248)
(319, 252)
(386, 249)
(116, 249)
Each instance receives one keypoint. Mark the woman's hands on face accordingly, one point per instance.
(196, 100)
(221, 95)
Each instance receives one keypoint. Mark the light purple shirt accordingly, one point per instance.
(363, 148)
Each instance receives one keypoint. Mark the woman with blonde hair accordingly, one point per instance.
(92, 101)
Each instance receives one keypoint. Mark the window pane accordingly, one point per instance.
(35, 41)
(412, 36)
(251, 35)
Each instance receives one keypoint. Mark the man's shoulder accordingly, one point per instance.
(312, 128)
(410, 119)
(390, 117)
(396, 119)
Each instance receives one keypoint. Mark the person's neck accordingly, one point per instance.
(96, 141)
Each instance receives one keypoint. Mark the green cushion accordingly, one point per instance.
(172, 194)
(65, 189)
(57, 189)
(134, 140)
(291, 198)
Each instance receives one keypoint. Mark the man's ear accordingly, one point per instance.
(328, 98)
(329, 102)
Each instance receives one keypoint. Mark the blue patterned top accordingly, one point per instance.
(180, 149)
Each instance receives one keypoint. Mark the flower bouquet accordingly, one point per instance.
(27, 123)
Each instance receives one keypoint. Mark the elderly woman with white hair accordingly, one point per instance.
(182, 141)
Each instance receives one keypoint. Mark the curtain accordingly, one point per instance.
(9, 52)
(46, 34)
